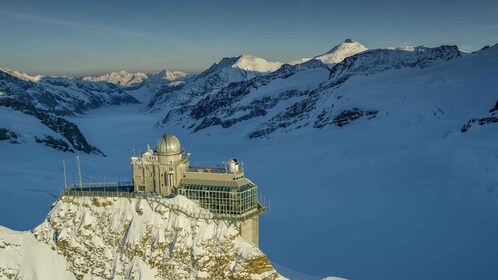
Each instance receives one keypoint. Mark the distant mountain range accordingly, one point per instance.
(271, 96)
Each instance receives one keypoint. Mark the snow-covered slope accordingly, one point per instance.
(322, 106)
(254, 99)
(301, 95)
(24, 257)
(22, 123)
(340, 52)
(120, 238)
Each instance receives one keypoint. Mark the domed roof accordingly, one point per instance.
(168, 145)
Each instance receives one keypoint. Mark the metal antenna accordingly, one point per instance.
(79, 172)
(65, 176)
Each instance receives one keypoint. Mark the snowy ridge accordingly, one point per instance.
(299, 61)
(219, 75)
(132, 81)
(62, 95)
(117, 238)
(22, 76)
(122, 78)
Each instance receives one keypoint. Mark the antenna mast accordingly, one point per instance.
(79, 172)
(65, 177)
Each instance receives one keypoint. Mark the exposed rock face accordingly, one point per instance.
(344, 118)
(120, 238)
(492, 117)
(9, 136)
(55, 143)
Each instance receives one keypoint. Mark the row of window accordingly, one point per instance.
(223, 202)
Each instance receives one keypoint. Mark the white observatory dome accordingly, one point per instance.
(168, 145)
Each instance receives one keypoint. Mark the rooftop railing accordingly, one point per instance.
(101, 185)
(214, 170)
(259, 209)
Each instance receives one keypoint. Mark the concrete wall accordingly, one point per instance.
(249, 230)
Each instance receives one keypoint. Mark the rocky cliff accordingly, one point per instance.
(120, 238)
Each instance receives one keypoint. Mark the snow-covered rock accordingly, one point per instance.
(120, 238)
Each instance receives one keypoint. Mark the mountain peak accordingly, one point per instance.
(168, 75)
(338, 53)
(255, 64)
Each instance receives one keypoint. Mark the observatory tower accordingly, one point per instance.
(223, 190)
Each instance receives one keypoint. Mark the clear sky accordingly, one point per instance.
(92, 37)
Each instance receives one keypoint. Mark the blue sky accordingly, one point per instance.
(92, 37)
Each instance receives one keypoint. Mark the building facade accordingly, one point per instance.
(223, 190)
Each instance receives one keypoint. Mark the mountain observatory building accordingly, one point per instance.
(224, 190)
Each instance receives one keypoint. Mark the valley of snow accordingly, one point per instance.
(404, 195)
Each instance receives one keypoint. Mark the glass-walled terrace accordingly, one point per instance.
(222, 199)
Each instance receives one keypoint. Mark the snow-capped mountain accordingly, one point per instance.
(131, 81)
(120, 238)
(301, 95)
(238, 69)
(219, 75)
(122, 78)
(61, 95)
(340, 52)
